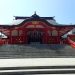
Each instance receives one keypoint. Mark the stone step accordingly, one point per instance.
(36, 50)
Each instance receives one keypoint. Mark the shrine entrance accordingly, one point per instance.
(35, 36)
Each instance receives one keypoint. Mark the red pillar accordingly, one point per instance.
(45, 36)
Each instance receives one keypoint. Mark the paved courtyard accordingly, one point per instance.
(36, 51)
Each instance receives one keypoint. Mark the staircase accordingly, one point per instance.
(36, 50)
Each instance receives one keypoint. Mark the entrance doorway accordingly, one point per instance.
(35, 36)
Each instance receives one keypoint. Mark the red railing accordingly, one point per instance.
(71, 41)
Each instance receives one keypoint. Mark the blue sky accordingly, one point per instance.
(63, 10)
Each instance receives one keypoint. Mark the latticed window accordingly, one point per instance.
(20, 32)
(15, 33)
(73, 31)
(54, 33)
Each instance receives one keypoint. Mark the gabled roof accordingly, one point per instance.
(34, 16)
(19, 20)
(49, 20)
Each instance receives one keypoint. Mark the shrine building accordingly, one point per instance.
(44, 30)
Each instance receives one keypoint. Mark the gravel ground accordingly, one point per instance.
(36, 51)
